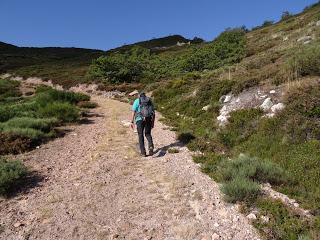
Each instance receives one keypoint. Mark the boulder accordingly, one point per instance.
(277, 107)
(266, 105)
(318, 23)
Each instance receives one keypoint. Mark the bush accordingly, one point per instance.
(30, 133)
(11, 174)
(240, 189)
(286, 15)
(64, 112)
(254, 169)
(45, 95)
(41, 124)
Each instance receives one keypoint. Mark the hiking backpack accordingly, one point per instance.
(146, 107)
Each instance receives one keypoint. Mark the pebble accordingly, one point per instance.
(252, 216)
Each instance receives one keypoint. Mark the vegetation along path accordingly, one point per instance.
(96, 186)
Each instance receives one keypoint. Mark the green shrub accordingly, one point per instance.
(252, 168)
(46, 95)
(9, 88)
(64, 112)
(173, 150)
(41, 124)
(30, 133)
(240, 189)
(11, 174)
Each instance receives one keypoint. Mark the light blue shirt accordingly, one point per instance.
(136, 109)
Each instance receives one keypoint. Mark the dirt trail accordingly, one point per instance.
(97, 187)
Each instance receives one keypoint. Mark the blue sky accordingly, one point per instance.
(105, 24)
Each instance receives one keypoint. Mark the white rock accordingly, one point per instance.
(238, 100)
(266, 105)
(304, 38)
(265, 219)
(222, 98)
(215, 236)
(270, 115)
(17, 78)
(252, 216)
(263, 96)
(224, 110)
(216, 225)
(135, 92)
(222, 119)
(307, 42)
(272, 91)
(286, 38)
(227, 99)
(277, 107)
(178, 114)
(206, 108)
(6, 75)
(296, 205)
(318, 23)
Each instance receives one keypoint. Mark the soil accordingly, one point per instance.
(93, 184)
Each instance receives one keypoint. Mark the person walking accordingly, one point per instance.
(143, 115)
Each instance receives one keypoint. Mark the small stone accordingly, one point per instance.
(296, 205)
(252, 216)
(206, 108)
(37, 147)
(227, 98)
(272, 91)
(318, 23)
(17, 224)
(216, 225)
(215, 236)
(265, 219)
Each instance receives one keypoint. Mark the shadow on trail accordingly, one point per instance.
(32, 180)
(183, 139)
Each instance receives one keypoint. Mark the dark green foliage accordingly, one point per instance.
(87, 104)
(121, 67)
(140, 64)
(11, 174)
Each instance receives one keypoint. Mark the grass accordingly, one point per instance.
(11, 175)
(173, 150)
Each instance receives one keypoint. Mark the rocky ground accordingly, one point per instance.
(94, 185)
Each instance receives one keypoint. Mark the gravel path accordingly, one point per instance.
(97, 187)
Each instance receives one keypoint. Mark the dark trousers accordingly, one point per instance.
(144, 128)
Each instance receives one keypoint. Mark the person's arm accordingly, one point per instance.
(132, 116)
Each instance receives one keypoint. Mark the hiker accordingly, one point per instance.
(143, 115)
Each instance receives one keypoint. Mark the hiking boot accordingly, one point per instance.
(151, 152)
